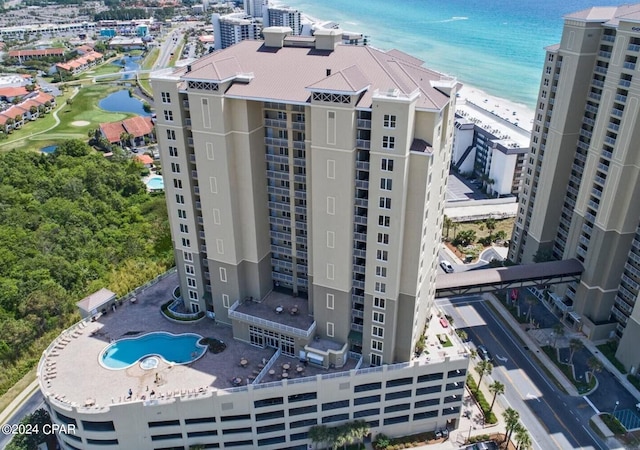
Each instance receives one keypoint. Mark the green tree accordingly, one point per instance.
(543, 255)
(595, 366)
(530, 300)
(319, 434)
(495, 388)
(511, 419)
(465, 237)
(447, 222)
(575, 345)
(483, 368)
(69, 101)
(491, 224)
(523, 438)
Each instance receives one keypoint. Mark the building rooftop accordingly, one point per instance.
(612, 15)
(72, 376)
(288, 73)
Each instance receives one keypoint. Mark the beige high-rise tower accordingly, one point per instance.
(315, 169)
(580, 196)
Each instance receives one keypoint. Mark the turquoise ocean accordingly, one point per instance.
(493, 45)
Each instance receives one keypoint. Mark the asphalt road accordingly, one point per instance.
(32, 403)
(554, 419)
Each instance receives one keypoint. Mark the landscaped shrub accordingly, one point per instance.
(613, 423)
(489, 416)
(215, 345)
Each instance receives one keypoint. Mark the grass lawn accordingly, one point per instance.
(135, 52)
(176, 54)
(17, 388)
(104, 69)
(479, 227)
(566, 369)
(150, 59)
(609, 350)
(84, 108)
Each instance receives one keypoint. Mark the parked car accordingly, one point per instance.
(446, 266)
(484, 353)
(488, 445)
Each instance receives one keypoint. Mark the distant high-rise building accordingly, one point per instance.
(283, 17)
(233, 28)
(255, 8)
(580, 194)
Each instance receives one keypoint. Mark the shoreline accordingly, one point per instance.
(493, 104)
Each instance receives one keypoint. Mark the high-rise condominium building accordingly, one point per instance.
(233, 28)
(305, 183)
(283, 16)
(579, 198)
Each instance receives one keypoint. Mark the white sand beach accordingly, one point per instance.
(506, 109)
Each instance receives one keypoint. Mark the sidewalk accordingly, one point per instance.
(17, 402)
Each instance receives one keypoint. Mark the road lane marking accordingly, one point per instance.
(586, 399)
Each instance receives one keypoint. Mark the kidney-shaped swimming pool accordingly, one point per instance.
(173, 348)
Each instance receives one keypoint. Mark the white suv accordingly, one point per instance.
(446, 266)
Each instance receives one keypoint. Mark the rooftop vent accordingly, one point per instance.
(328, 72)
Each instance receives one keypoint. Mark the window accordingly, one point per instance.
(383, 238)
(191, 282)
(177, 183)
(186, 242)
(331, 205)
(380, 287)
(188, 256)
(381, 271)
(173, 151)
(385, 184)
(184, 228)
(331, 169)
(382, 255)
(378, 302)
(376, 345)
(166, 97)
(377, 331)
(168, 115)
(385, 203)
(378, 317)
(182, 214)
(386, 165)
(331, 238)
(384, 221)
(388, 142)
(389, 121)
(223, 274)
(171, 135)
(376, 360)
(193, 295)
(180, 199)
(330, 301)
(189, 269)
(330, 329)
(175, 167)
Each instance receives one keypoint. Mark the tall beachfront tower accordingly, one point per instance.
(580, 195)
(313, 169)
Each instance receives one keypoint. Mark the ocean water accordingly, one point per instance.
(493, 45)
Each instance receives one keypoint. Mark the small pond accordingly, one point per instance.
(128, 63)
(121, 102)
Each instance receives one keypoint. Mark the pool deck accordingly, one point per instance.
(72, 374)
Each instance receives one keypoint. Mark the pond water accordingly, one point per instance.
(128, 63)
(49, 149)
(121, 102)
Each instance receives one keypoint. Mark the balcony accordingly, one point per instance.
(633, 48)
(362, 165)
(629, 65)
(363, 123)
(363, 143)
(275, 123)
(278, 142)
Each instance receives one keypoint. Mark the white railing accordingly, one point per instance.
(268, 323)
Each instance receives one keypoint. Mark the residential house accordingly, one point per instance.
(138, 127)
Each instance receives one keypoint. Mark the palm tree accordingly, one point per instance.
(575, 345)
(495, 388)
(490, 223)
(447, 224)
(595, 365)
(318, 434)
(511, 418)
(558, 332)
(483, 368)
(530, 300)
(523, 438)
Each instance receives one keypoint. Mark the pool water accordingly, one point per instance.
(49, 149)
(172, 348)
(155, 183)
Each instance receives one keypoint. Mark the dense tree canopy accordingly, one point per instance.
(70, 223)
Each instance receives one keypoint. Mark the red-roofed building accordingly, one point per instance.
(81, 63)
(10, 92)
(138, 127)
(144, 159)
(22, 112)
(84, 49)
(25, 55)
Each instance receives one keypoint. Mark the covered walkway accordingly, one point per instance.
(496, 279)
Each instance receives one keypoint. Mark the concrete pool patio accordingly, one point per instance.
(72, 374)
